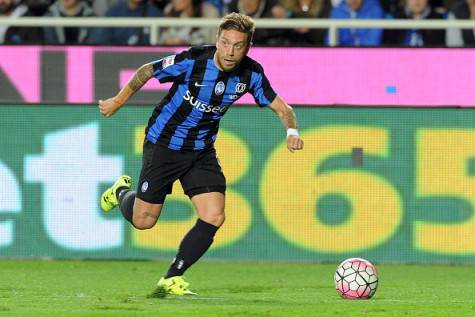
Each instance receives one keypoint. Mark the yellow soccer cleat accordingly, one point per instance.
(109, 198)
(175, 285)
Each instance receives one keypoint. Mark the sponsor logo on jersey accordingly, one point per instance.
(168, 61)
(219, 88)
(201, 106)
(240, 88)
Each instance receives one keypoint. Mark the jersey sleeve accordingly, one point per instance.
(261, 89)
(170, 68)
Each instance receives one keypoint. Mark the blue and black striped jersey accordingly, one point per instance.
(187, 118)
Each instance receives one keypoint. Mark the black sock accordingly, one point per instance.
(126, 203)
(195, 243)
(119, 191)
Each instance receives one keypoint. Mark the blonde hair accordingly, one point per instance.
(239, 22)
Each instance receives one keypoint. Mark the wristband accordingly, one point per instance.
(292, 131)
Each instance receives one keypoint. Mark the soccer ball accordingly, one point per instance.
(356, 279)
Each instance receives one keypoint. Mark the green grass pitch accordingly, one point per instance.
(120, 288)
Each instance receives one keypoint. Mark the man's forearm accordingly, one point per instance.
(288, 118)
(285, 113)
(141, 76)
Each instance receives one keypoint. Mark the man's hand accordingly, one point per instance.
(294, 143)
(109, 107)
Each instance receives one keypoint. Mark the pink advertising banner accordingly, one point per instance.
(302, 76)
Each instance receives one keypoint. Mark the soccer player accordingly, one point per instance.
(181, 133)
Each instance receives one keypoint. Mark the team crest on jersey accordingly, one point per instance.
(240, 88)
(168, 61)
(219, 89)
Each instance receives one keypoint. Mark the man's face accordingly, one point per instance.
(180, 5)
(416, 6)
(354, 4)
(231, 48)
(250, 6)
(6, 6)
(69, 4)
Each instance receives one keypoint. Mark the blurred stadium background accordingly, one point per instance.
(383, 92)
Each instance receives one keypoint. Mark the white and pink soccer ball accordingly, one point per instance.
(356, 279)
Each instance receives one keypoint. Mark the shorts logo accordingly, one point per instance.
(219, 89)
(168, 61)
(144, 187)
(240, 88)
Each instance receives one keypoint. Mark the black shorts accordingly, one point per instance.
(198, 171)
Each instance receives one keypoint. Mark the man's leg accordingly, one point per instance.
(141, 214)
(205, 184)
(160, 168)
(210, 209)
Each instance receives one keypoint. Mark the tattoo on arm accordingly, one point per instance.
(285, 113)
(289, 119)
(148, 214)
(141, 76)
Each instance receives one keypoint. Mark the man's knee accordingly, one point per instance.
(219, 220)
(216, 218)
(144, 219)
(143, 224)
